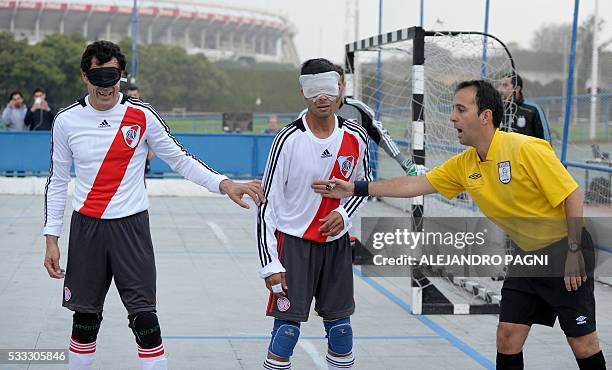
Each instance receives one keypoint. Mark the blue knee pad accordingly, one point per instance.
(339, 335)
(285, 335)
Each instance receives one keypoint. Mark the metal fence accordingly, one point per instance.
(589, 145)
(554, 108)
(213, 122)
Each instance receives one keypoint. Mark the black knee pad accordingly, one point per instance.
(85, 326)
(146, 329)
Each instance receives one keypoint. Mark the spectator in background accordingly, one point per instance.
(40, 116)
(272, 125)
(133, 92)
(525, 117)
(14, 114)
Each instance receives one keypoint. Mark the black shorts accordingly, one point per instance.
(100, 250)
(323, 271)
(541, 300)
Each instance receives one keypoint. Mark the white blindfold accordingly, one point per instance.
(320, 84)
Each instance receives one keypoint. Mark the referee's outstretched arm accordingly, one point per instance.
(399, 187)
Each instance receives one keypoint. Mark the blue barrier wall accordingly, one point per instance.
(237, 155)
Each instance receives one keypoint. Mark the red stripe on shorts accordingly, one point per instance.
(115, 163)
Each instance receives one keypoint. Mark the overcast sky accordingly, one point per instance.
(322, 24)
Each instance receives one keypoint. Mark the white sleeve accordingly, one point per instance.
(375, 128)
(273, 187)
(59, 177)
(166, 147)
(349, 206)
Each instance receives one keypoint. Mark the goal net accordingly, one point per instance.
(408, 78)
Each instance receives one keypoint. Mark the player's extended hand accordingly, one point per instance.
(236, 190)
(333, 223)
(575, 272)
(334, 188)
(52, 257)
(278, 278)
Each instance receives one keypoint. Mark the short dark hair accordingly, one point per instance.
(38, 89)
(340, 70)
(516, 78)
(103, 51)
(16, 92)
(487, 97)
(132, 88)
(318, 65)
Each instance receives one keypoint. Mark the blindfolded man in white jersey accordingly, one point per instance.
(304, 247)
(107, 136)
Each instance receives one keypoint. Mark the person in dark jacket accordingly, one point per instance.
(527, 118)
(40, 116)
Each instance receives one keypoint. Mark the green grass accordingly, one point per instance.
(212, 126)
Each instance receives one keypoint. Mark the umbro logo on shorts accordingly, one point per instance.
(581, 320)
(326, 154)
(104, 124)
(475, 176)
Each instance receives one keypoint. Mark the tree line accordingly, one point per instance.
(167, 76)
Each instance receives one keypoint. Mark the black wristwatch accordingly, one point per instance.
(574, 247)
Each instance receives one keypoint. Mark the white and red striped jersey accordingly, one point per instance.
(108, 149)
(296, 160)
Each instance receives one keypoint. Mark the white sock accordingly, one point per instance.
(337, 363)
(271, 364)
(81, 355)
(153, 358)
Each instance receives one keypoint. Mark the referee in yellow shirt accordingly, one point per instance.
(512, 177)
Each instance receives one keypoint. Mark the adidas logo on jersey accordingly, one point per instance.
(104, 124)
(326, 154)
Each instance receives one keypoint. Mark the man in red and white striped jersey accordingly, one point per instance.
(107, 136)
(304, 247)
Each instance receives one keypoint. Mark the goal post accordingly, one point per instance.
(409, 77)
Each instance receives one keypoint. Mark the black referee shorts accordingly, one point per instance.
(100, 250)
(323, 271)
(541, 300)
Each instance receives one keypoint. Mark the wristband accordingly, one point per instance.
(277, 288)
(361, 189)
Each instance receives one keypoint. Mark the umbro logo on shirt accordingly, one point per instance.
(104, 124)
(326, 154)
(475, 176)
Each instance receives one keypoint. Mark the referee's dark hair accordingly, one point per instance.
(487, 97)
(103, 51)
(318, 65)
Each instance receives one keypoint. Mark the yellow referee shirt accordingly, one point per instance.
(521, 186)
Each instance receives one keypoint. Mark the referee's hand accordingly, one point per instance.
(575, 272)
(278, 278)
(334, 188)
(52, 257)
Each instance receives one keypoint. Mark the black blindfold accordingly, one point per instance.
(104, 76)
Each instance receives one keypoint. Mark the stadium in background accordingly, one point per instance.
(220, 32)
